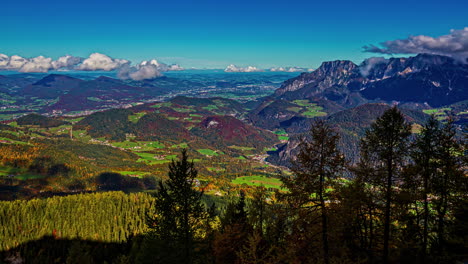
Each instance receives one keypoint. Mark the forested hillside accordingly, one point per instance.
(404, 201)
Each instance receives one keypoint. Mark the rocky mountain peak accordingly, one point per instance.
(337, 67)
(434, 79)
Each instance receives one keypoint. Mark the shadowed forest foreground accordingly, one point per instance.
(406, 202)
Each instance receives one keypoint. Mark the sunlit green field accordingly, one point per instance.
(20, 174)
(258, 180)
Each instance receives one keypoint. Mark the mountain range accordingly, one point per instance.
(348, 95)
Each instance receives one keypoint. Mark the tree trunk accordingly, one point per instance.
(426, 218)
(387, 209)
(186, 227)
(371, 235)
(326, 256)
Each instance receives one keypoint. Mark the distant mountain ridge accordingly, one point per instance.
(350, 124)
(351, 96)
(433, 79)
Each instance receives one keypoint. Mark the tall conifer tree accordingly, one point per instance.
(386, 143)
(319, 163)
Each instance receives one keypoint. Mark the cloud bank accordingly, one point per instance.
(66, 62)
(454, 45)
(95, 62)
(234, 68)
(289, 69)
(101, 62)
(146, 70)
(37, 64)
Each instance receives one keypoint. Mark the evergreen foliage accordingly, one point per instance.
(106, 217)
(406, 202)
(180, 218)
(386, 146)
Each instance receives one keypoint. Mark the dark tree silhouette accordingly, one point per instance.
(386, 143)
(424, 153)
(451, 182)
(319, 163)
(179, 213)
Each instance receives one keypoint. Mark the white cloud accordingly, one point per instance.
(367, 65)
(147, 69)
(289, 69)
(234, 68)
(152, 62)
(98, 61)
(16, 62)
(162, 67)
(38, 64)
(4, 59)
(454, 45)
(95, 62)
(145, 72)
(175, 67)
(66, 62)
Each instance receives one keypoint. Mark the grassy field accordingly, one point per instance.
(210, 107)
(270, 149)
(241, 148)
(183, 110)
(215, 169)
(416, 128)
(314, 112)
(138, 174)
(301, 102)
(295, 109)
(152, 159)
(207, 152)
(181, 145)
(437, 110)
(13, 141)
(75, 120)
(82, 135)
(135, 117)
(307, 109)
(280, 132)
(159, 105)
(258, 180)
(29, 176)
(20, 174)
(139, 145)
(439, 113)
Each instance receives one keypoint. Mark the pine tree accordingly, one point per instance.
(234, 232)
(386, 144)
(424, 153)
(450, 183)
(178, 212)
(318, 165)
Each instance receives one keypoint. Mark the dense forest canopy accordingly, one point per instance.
(405, 202)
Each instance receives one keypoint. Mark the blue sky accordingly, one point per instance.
(213, 34)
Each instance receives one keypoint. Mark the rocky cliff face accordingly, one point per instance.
(344, 91)
(433, 79)
(332, 73)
